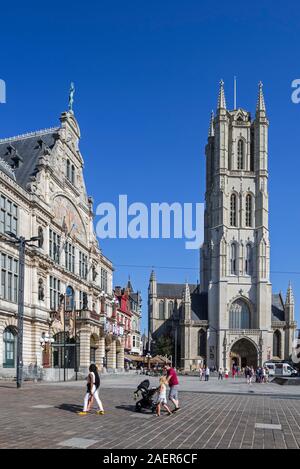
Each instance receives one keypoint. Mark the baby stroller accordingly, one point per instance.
(148, 400)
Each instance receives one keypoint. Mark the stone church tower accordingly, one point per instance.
(235, 256)
(232, 316)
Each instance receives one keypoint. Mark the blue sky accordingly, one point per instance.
(146, 77)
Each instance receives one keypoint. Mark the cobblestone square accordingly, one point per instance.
(45, 416)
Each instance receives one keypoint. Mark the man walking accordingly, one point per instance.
(207, 372)
(173, 382)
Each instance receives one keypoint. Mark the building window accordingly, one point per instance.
(277, 344)
(68, 170)
(54, 293)
(83, 265)
(104, 279)
(239, 315)
(170, 308)
(8, 216)
(83, 300)
(70, 299)
(248, 261)
(240, 159)
(9, 347)
(161, 311)
(54, 246)
(233, 216)
(73, 174)
(249, 210)
(233, 259)
(202, 343)
(70, 257)
(9, 278)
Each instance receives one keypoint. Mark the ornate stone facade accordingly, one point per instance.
(43, 193)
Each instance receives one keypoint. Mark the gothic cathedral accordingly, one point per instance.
(232, 316)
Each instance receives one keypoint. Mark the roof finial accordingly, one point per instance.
(221, 97)
(71, 96)
(290, 295)
(211, 131)
(260, 106)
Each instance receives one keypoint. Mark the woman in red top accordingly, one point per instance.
(173, 382)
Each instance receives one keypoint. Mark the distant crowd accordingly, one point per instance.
(260, 375)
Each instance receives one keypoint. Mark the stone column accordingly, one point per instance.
(84, 335)
(111, 356)
(120, 356)
(100, 353)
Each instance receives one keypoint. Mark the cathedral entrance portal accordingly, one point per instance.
(243, 353)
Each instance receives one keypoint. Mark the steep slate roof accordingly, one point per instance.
(172, 290)
(277, 308)
(198, 300)
(29, 150)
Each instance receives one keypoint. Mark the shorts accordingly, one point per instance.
(173, 394)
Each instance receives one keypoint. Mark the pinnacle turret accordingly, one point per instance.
(221, 97)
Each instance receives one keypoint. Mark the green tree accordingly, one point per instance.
(163, 346)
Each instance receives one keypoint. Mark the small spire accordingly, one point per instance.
(152, 276)
(221, 97)
(211, 131)
(290, 295)
(186, 294)
(260, 106)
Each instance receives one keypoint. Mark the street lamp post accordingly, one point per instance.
(21, 241)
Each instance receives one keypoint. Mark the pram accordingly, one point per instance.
(148, 400)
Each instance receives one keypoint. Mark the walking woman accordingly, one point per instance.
(93, 384)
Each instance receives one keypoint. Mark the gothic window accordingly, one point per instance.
(202, 343)
(170, 308)
(73, 174)
(248, 210)
(233, 214)
(68, 170)
(277, 344)
(161, 311)
(233, 259)
(70, 257)
(248, 261)
(239, 315)
(240, 158)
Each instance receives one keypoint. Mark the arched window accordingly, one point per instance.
(73, 174)
(233, 259)
(277, 344)
(239, 315)
(70, 299)
(240, 158)
(68, 170)
(248, 260)
(233, 215)
(170, 308)
(202, 343)
(161, 311)
(9, 347)
(249, 210)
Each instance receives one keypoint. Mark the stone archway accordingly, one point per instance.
(244, 353)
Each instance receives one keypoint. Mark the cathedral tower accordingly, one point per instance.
(235, 256)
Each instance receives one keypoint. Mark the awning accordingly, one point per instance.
(135, 358)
